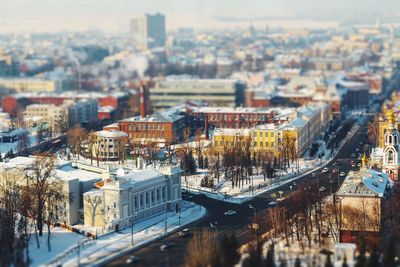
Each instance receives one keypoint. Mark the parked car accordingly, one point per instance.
(132, 259)
(353, 155)
(325, 170)
(182, 234)
(229, 213)
(166, 245)
(342, 174)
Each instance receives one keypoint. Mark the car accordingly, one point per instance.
(132, 259)
(359, 165)
(353, 155)
(229, 213)
(342, 174)
(272, 203)
(325, 170)
(182, 234)
(166, 245)
(313, 174)
(321, 189)
(357, 149)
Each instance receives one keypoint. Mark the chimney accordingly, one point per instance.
(142, 99)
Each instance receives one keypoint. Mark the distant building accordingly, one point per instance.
(31, 85)
(159, 128)
(60, 117)
(354, 95)
(226, 117)
(149, 31)
(174, 91)
(109, 145)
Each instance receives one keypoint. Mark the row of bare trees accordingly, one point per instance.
(28, 201)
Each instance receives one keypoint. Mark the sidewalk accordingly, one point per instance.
(113, 245)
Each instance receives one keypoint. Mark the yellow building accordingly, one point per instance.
(22, 85)
(225, 138)
(384, 126)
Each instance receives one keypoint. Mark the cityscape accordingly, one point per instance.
(190, 133)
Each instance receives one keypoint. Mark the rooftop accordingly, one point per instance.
(365, 182)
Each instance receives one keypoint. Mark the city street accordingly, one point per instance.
(239, 223)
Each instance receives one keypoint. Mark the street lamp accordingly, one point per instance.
(166, 215)
(254, 225)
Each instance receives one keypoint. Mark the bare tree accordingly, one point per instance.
(201, 250)
(76, 137)
(94, 202)
(373, 131)
(40, 177)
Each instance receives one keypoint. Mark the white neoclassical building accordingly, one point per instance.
(126, 198)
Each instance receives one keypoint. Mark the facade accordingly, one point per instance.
(74, 183)
(21, 85)
(391, 163)
(361, 198)
(118, 101)
(237, 118)
(109, 145)
(127, 198)
(174, 91)
(354, 95)
(159, 128)
(65, 115)
(149, 31)
(224, 138)
(308, 124)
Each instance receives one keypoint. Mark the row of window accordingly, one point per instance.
(149, 198)
(146, 127)
(267, 144)
(237, 116)
(271, 134)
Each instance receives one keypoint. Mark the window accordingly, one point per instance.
(115, 205)
(158, 195)
(163, 193)
(255, 134)
(272, 134)
(390, 139)
(135, 204)
(266, 144)
(272, 144)
(141, 201)
(152, 197)
(147, 199)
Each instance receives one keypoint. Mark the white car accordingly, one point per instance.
(342, 174)
(325, 170)
(229, 213)
(132, 259)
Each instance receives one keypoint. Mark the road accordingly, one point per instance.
(239, 223)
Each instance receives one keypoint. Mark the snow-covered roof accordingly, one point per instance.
(366, 182)
(232, 132)
(111, 134)
(157, 117)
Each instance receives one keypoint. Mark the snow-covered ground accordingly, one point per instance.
(114, 244)
(60, 240)
(6, 147)
(224, 191)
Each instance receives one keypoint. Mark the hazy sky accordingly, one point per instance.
(43, 15)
